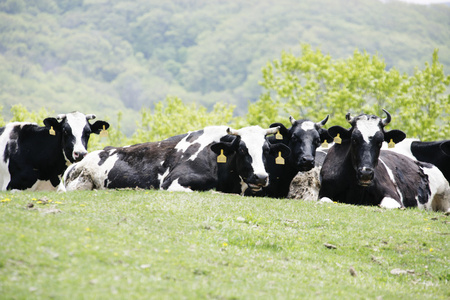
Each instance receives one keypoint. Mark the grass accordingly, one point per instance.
(160, 245)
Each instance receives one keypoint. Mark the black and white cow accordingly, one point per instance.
(436, 153)
(34, 157)
(181, 163)
(356, 171)
(302, 138)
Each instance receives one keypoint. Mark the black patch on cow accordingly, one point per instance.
(104, 155)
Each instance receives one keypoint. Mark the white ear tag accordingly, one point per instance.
(221, 159)
(279, 160)
(52, 131)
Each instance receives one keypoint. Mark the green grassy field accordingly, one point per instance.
(133, 244)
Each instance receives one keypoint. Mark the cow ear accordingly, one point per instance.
(343, 133)
(395, 135)
(52, 122)
(227, 147)
(97, 127)
(275, 149)
(445, 147)
(325, 136)
(283, 130)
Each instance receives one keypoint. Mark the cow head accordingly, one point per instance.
(250, 148)
(303, 138)
(74, 130)
(365, 137)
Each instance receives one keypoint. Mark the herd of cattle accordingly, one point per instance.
(362, 166)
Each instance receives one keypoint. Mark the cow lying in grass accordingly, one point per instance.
(356, 171)
(216, 157)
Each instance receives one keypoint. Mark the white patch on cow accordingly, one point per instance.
(77, 122)
(325, 200)
(404, 147)
(5, 177)
(368, 128)
(89, 174)
(42, 185)
(163, 177)
(439, 188)
(308, 125)
(244, 186)
(392, 177)
(254, 138)
(389, 203)
(210, 134)
(176, 187)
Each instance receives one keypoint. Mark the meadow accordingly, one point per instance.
(140, 244)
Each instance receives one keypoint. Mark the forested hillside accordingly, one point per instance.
(110, 56)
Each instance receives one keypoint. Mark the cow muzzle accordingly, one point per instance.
(257, 181)
(365, 176)
(79, 155)
(306, 163)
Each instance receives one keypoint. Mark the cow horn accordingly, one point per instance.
(232, 131)
(323, 122)
(349, 118)
(272, 130)
(292, 120)
(387, 120)
(91, 117)
(60, 117)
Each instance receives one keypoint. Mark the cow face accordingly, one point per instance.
(365, 139)
(250, 149)
(74, 130)
(303, 138)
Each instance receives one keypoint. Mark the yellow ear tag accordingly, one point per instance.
(52, 131)
(103, 133)
(221, 159)
(325, 144)
(337, 139)
(391, 144)
(279, 160)
(278, 136)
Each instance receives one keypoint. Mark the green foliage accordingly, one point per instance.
(172, 117)
(108, 56)
(165, 245)
(21, 114)
(313, 85)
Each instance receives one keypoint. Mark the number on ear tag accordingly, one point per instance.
(103, 133)
(52, 131)
(221, 159)
(337, 139)
(391, 144)
(279, 160)
(278, 136)
(325, 144)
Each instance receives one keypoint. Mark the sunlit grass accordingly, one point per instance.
(161, 245)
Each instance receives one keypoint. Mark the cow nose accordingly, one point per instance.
(261, 179)
(365, 174)
(307, 160)
(79, 155)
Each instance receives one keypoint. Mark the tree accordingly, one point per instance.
(313, 85)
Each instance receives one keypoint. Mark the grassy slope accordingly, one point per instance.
(154, 244)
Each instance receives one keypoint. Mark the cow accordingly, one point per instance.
(356, 171)
(302, 138)
(216, 157)
(35, 157)
(436, 152)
